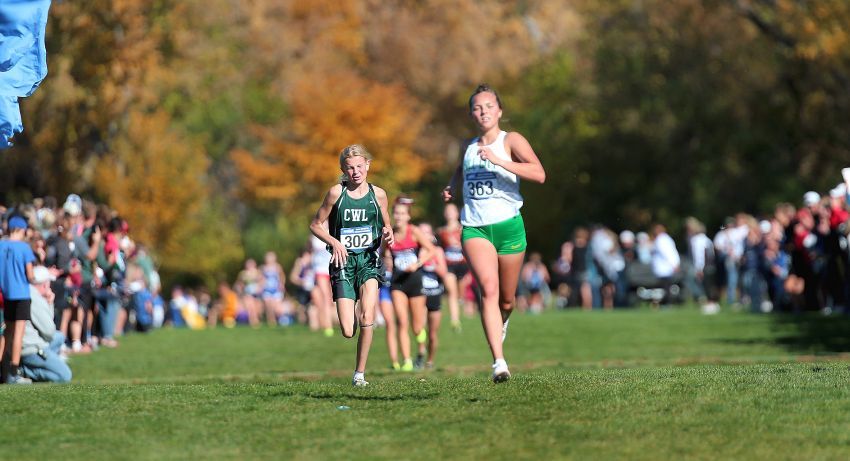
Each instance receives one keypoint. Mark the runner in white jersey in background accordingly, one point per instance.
(322, 296)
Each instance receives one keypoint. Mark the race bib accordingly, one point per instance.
(356, 238)
(431, 285)
(404, 259)
(480, 184)
(429, 282)
(454, 255)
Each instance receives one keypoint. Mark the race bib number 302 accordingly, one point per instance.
(356, 238)
(479, 184)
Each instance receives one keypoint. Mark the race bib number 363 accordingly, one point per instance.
(356, 238)
(479, 184)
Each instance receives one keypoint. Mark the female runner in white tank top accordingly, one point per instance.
(493, 233)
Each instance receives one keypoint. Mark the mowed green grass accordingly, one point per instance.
(638, 384)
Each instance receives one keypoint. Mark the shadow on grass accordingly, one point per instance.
(814, 333)
(275, 392)
(808, 333)
(385, 398)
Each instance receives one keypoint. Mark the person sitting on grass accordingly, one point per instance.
(175, 307)
(191, 312)
(40, 357)
(225, 309)
(141, 301)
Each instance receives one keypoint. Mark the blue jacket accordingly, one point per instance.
(23, 59)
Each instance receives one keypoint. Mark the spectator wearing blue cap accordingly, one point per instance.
(16, 271)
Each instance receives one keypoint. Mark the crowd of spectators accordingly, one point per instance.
(99, 284)
(794, 259)
(89, 283)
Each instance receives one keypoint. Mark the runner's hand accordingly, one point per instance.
(487, 154)
(339, 255)
(389, 238)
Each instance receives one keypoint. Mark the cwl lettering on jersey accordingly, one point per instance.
(354, 215)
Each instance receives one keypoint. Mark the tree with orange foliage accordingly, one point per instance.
(155, 177)
(297, 162)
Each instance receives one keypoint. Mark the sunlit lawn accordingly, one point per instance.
(635, 384)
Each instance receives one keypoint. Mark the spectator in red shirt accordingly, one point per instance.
(838, 206)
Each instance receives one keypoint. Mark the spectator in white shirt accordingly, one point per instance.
(729, 247)
(701, 252)
(665, 258)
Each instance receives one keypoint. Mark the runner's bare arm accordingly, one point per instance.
(524, 163)
(442, 266)
(339, 254)
(426, 248)
(387, 231)
(295, 273)
(448, 191)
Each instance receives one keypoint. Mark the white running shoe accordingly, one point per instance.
(500, 372)
(505, 330)
(359, 382)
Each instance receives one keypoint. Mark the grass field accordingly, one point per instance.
(640, 384)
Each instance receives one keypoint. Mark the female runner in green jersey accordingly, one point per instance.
(357, 222)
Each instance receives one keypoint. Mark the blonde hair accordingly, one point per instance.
(354, 150)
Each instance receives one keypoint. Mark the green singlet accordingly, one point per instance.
(357, 224)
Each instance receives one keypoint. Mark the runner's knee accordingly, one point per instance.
(367, 318)
(490, 287)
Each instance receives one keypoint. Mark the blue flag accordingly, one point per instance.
(23, 59)
(10, 120)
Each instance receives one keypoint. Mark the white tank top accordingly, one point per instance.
(490, 192)
(321, 256)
